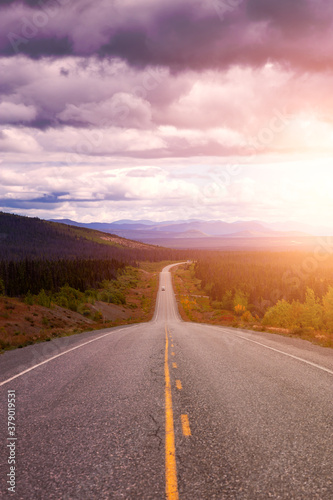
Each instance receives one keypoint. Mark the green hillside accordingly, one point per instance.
(37, 254)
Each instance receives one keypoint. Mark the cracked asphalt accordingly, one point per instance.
(91, 421)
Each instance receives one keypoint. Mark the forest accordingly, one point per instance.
(32, 238)
(261, 279)
(39, 255)
(20, 277)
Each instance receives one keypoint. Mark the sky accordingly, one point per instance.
(167, 109)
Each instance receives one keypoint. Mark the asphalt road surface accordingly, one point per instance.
(168, 409)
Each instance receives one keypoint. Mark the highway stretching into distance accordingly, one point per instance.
(170, 409)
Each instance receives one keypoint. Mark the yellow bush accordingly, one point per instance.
(239, 309)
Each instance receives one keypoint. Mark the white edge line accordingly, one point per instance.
(286, 354)
(57, 356)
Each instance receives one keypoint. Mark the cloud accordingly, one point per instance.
(180, 35)
(119, 110)
(18, 141)
(226, 108)
(16, 113)
(106, 106)
(142, 172)
(107, 194)
(90, 92)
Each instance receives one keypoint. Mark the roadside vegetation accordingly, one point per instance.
(310, 318)
(130, 298)
(58, 280)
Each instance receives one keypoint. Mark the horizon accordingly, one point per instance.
(142, 111)
(178, 221)
(143, 221)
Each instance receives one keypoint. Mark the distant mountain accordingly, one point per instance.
(146, 229)
(197, 233)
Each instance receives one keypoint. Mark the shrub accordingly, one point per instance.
(312, 315)
(278, 315)
(69, 297)
(43, 299)
(239, 309)
(247, 317)
(90, 296)
(111, 293)
(29, 299)
(241, 299)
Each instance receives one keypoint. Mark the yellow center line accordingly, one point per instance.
(174, 365)
(172, 353)
(185, 425)
(179, 385)
(171, 487)
(172, 345)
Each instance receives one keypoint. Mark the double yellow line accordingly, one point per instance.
(171, 486)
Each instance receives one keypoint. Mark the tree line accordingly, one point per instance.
(262, 278)
(34, 239)
(20, 277)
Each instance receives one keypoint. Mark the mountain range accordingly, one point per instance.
(204, 234)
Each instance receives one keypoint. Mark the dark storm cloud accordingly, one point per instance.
(49, 198)
(30, 3)
(38, 47)
(47, 201)
(26, 204)
(180, 35)
(55, 47)
(52, 200)
(290, 16)
(43, 124)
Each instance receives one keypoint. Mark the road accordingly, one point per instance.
(169, 409)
